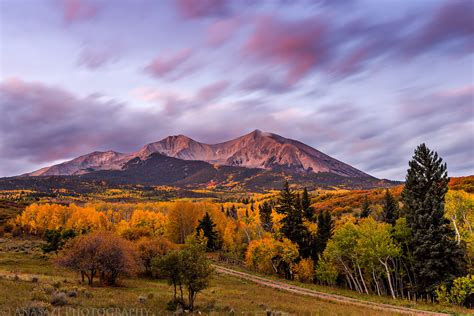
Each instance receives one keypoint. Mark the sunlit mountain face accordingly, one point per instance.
(259, 150)
(363, 82)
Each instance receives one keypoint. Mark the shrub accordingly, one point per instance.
(56, 238)
(102, 254)
(58, 299)
(325, 272)
(72, 293)
(150, 248)
(136, 233)
(457, 294)
(304, 270)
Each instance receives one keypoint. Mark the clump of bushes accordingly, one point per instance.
(99, 254)
(456, 294)
(304, 270)
(58, 299)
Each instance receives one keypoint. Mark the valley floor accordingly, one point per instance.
(27, 276)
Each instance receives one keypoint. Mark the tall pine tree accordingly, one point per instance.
(232, 212)
(365, 209)
(207, 226)
(323, 234)
(390, 209)
(292, 223)
(265, 213)
(436, 256)
(308, 211)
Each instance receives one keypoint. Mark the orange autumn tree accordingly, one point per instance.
(272, 256)
(102, 254)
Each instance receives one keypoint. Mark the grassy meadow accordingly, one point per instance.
(28, 276)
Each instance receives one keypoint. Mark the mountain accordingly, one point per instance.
(256, 150)
(186, 176)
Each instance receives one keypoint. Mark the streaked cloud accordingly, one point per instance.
(364, 82)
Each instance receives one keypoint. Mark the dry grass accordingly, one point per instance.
(225, 294)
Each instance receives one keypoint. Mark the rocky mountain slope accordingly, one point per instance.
(160, 170)
(257, 149)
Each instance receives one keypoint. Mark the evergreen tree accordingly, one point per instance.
(365, 209)
(390, 209)
(233, 212)
(323, 234)
(265, 213)
(57, 238)
(222, 208)
(292, 224)
(207, 226)
(436, 257)
(308, 211)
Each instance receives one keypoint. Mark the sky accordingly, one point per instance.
(362, 81)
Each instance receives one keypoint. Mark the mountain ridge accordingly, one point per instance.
(260, 150)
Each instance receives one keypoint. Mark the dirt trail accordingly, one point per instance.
(322, 295)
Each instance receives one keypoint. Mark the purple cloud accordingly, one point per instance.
(212, 91)
(451, 23)
(43, 123)
(78, 10)
(203, 8)
(165, 66)
(264, 82)
(300, 46)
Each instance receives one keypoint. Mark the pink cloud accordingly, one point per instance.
(451, 22)
(164, 66)
(201, 8)
(298, 46)
(221, 31)
(78, 10)
(212, 91)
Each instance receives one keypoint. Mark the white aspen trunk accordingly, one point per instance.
(362, 279)
(376, 283)
(388, 278)
(348, 281)
(354, 280)
(458, 235)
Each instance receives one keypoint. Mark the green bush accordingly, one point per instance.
(456, 294)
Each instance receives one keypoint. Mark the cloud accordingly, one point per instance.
(168, 66)
(42, 123)
(451, 23)
(264, 82)
(93, 58)
(78, 10)
(221, 31)
(341, 49)
(212, 91)
(191, 9)
(299, 46)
